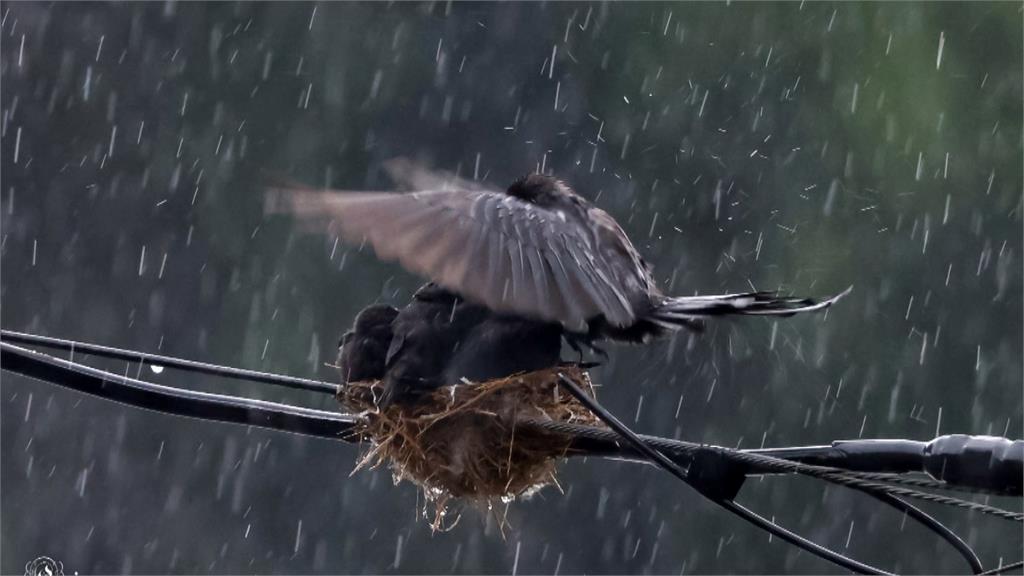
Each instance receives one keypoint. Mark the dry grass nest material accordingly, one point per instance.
(467, 441)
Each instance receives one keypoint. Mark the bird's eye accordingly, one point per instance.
(345, 339)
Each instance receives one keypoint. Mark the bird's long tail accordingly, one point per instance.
(687, 311)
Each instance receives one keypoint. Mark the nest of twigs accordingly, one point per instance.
(470, 441)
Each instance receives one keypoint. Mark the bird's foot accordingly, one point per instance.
(582, 365)
(577, 344)
(574, 344)
(598, 350)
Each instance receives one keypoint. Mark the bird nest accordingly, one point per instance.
(470, 440)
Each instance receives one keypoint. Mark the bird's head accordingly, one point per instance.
(345, 339)
(541, 190)
(373, 318)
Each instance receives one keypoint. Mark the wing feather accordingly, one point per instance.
(568, 304)
(495, 249)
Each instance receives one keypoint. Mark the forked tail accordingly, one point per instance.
(686, 311)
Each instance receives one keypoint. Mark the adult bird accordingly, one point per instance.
(536, 251)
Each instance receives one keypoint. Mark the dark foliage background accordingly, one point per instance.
(799, 146)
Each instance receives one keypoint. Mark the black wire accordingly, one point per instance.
(605, 439)
(878, 491)
(337, 426)
(177, 401)
(797, 540)
(603, 442)
(851, 479)
(932, 524)
(1005, 569)
(881, 492)
(621, 429)
(170, 361)
(596, 441)
(673, 468)
(593, 441)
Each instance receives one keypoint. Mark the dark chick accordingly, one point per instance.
(441, 339)
(364, 349)
(537, 251)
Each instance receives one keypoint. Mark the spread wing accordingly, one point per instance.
(509, 255)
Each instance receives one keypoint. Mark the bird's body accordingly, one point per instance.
(439, 339)
(537, 253)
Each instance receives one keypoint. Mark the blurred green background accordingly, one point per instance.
(795, 146)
